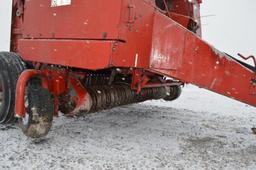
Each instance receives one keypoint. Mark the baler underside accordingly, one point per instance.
(86, 56)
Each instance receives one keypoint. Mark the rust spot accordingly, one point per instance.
(104, 35)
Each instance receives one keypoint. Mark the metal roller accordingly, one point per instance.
(109, 96)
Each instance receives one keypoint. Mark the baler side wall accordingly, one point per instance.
(90, 19)
(92, 54)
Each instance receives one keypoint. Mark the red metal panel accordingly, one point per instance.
(137, 33)
(74, 53)
(95, 19)
(200, 64)
(167, 41)
(182, 7)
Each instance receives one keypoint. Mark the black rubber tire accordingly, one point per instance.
(66, 104)
(11, 66)
(175, 92)
(40, 111)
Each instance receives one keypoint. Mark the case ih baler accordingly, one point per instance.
(83, 56)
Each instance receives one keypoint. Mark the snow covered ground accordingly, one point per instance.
(201, 130)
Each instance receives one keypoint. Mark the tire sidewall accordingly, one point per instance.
(7, 94)
(11, 66)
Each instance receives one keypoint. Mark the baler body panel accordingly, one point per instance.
(137, 33)
(85, 54)
(124, 24)
(82, 19)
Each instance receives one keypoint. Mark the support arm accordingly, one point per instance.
(180, 54)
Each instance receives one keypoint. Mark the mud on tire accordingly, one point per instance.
(11, 66)
(39, 104)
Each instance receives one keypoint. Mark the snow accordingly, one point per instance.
(200, 130)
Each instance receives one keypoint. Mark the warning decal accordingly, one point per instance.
(56, 3)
